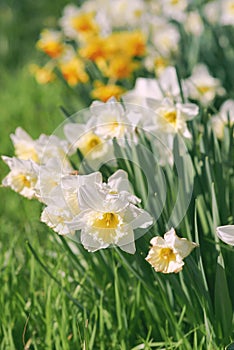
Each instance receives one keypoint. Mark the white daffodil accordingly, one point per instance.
(144, 88)
(164, 36)
(227, 12)
(165, 86)
(122, 13)
(95, 149)
(40, 150)
(202, 86)
(193, 23)
(225, 116)
(109, 215)
(226, 234)
(170, 117)
(212, 11)
(166, 254)
(62, 202)
(25, 146)
(22, 177)
(174, 9)
(77, 23)
(108, 119)
(48, 177)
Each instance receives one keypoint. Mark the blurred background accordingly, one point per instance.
(25, 103)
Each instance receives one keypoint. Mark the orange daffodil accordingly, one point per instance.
(166, 254)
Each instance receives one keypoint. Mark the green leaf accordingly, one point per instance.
(223, 305)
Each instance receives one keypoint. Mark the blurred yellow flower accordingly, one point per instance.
(73, 71)
(105, 92)
(166, 254)
(94, 49)
(120, 67)
(51, 43)
(130, 43)
(43, 75)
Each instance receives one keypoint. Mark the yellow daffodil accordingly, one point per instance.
(73, 71)
(166, 254)
(51, 43)
(105, 92)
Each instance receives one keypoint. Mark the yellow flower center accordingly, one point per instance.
(174, 2)
(203, 89)
(25, 151)
(138, 13)
(231, 8)
(84, 23)
(90, 142)
(170, 116)
(21, 181)
(167, 254)
(106, 220)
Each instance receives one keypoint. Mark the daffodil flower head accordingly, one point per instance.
(62, 201)
(109, 215)
(22, 177)
(166, 254)
(202, 86)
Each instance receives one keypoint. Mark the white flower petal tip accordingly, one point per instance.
(226, 234)
(166, 254)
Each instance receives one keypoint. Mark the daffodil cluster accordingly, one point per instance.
(104, 45)
(77, 201)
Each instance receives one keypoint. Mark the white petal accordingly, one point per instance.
(90, 197)
(73, 131)
(138, 218)
(119, 181)
(190, 110)
(226, 234)
(126, 242)
(90, 242)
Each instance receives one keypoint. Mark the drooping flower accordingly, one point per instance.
(109, 215)
(166, 254)
(226, 234)
(94, 148)
(22, 177)
(202, 86)
(40, 150)
(170, 117)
